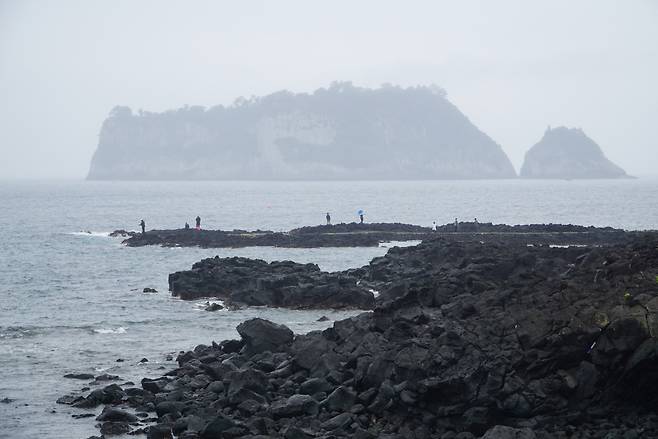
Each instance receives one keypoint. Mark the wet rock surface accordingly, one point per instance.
(370, 235)
(468, 340)
(252, 282)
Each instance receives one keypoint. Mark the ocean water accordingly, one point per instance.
(71, 301)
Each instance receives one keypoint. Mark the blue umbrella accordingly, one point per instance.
(360, 212)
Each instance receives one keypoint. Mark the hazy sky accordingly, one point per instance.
(513, 67)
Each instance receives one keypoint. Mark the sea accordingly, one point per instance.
(71, 297)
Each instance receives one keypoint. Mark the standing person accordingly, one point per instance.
(328, 219)
(434, 226)
(198, 222)
(143, 226)
(361, 217)
(187, 226)
(456, 225)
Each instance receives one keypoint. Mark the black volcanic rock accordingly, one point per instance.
(262, 335)
(567, 153)
(489, 340)
(342, 132)
(371, 235)
(253, 282)
(338, 235)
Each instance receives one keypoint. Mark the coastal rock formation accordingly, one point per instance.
(373, 234)
(342, 132)
(338, 235)
(252, 282)
(567, 153)
(484, 340)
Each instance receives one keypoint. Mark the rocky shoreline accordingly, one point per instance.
(468, 339)
(371, 235)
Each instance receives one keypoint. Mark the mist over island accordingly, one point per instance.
(340, 132)
(568, 153)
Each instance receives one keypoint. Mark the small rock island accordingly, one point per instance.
(567, 153)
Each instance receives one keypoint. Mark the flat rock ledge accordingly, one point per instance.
(482, 340)
(369, 235)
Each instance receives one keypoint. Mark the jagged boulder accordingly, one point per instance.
(262, 335)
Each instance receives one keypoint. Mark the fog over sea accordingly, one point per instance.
(72, 301)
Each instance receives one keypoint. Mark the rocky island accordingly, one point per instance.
(468, 339)
(339, 132)
(567, 153)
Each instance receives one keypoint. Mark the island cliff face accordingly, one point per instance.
(342, 132)
(568, 153)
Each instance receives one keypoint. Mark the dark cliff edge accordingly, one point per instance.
(567, 153)
(341, 132)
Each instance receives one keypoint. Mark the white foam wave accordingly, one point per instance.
(374, 292)
(119, 330)
(90, 233)
(202, 305)
(390, 244)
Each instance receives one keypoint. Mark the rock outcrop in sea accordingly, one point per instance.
(469, 340)
(341, 132)
(285, 284)
(241, 282)
(567, 153)
(336, 235)
(370, 235)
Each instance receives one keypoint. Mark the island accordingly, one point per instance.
(342, 132)
(567, 153)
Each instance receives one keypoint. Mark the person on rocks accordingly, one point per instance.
(198, 222)
(328, 219)
(361, 218)
(434, 226)
(142, 224)
(456, 225)
(187, 226)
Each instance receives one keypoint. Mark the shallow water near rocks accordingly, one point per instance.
(72, 301)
